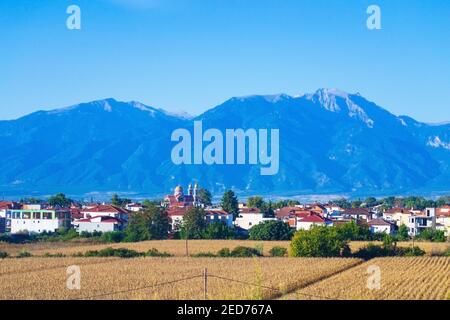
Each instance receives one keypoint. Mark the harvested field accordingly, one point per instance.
(415, 278)
(257, 278)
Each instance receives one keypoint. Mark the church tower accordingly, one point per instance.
(195, 193)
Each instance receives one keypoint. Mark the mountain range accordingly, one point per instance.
(331, 142)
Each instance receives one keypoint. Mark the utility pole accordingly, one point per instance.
(186, 243)
(205, 283)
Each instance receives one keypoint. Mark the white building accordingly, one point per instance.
(211, 216)
(308, 222)
(99, 224)
(219, 215)
(134, 207)
(443, 219)
(381, 226)
(418, 222)
(105, 210)
(36, 219)
(249, 217)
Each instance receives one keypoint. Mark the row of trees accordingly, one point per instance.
(390, 202)
(229, 202)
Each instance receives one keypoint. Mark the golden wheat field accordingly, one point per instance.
(177, 247)
(45, 278)
(414, 278)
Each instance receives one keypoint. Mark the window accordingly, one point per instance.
(46, 215)
(36, 215)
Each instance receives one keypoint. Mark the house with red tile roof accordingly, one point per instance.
(288, 212)
(443, 219)
(312, 220)
(357, 214)
(105, 210)
(381, 226)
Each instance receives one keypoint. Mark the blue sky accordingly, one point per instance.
(194, 54)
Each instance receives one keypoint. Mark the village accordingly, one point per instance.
(18, 218)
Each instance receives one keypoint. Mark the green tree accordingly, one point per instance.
(160, 223)
(370, 202)
(255, 202)
(432, 235)
(342, 202)
(402, 233)
(230, 203)
(419, 203)
(356, 203)
(319, 241)
(59, 200)
(194, 224)
(118, 201)
(115, 200)
(204, 196)
(150, 224)
(285, 203)
(442, 201)
(219, 230)
(351, 231)
(268, 209)
(270, 231)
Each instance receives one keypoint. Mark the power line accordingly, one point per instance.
(202, 276)
(137, 289)
(245, 282)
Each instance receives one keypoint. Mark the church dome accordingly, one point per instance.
(178, 190)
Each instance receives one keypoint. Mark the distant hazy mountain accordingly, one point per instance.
(330, 142)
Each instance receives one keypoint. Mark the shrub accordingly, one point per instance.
(224, 253)
(112, 237)
(432, 235)
(243, 252)
(373, 251)
(126, 253)
(54, 255)
(110, 252)
(24, 254)
(91, 253)
(78, 255)
(413, 252)
(278, 252)
(447, 252)
(155, 253)
(68, 234)
(319, 241)
(204, 255)
(270, 231)
(218, 230)
(3, 254)
(351, 231)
